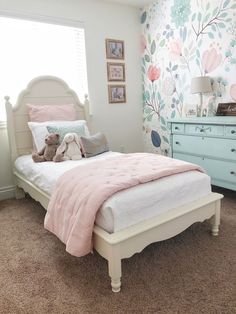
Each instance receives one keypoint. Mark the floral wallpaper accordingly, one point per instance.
(182, 39)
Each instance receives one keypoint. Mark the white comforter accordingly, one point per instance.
(130, 206)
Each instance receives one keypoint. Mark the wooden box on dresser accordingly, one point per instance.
(209, 142)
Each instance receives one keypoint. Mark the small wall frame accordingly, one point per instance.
(115, 49)
(116, 94)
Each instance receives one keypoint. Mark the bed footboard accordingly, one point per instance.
(123, 244)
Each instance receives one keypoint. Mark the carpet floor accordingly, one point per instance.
(190, 273)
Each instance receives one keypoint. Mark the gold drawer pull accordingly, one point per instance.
(232, 172)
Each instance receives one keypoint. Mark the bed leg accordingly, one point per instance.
(215, 220)
(19, 193)
(114, 268)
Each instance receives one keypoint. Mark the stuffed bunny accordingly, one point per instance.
(69, 148)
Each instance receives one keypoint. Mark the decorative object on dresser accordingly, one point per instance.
(209, 142)
(200, 85)
(226, 109)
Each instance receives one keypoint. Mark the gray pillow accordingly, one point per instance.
(94, 145)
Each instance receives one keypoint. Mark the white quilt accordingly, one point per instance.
(130, 206)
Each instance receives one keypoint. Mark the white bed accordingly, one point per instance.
(114, 239)
(128, 207)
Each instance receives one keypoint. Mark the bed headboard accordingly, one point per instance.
(41, 90)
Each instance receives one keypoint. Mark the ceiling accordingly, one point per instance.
(135, 3)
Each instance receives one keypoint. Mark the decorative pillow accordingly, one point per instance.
(43, 113)
(40, 132)
(94, 145)
(62, 130)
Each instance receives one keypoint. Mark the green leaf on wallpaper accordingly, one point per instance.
(143, 70)
(213, 27)
(221, 25)
(233, 6)
(181, 97)
(163, 128)
(233, 61)
(147, 95)
(149, 118)
(226, 3)
(210, 35)
(165, 139)
(153, 47)
(159, 96)
(199, 43)
(214, 11)
(172, 114)
(208, 6)
(194, 16)
(206, 18)
(175, 67)
(162, 42)
(143, 17)
(148, 110)
(147, 58)
(198, 62)
(163, 121)
(223, 15)
(199, 17)
(149, 39)
(198, 53)
(162, 106)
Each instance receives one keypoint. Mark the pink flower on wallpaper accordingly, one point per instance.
(143, 43)
(153, 73)
(176, 47)
(233, 92)
(211, 60)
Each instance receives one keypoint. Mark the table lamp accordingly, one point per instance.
(200, 85)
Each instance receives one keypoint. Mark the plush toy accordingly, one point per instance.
(49, 150)
(69, 148)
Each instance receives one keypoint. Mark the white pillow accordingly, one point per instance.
(40, 132)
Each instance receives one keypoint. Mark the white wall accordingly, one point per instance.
(122, 123)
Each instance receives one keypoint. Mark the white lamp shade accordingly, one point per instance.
(201, 84)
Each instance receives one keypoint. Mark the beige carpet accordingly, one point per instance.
(191, 273)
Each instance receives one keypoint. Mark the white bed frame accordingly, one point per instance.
(122, 244)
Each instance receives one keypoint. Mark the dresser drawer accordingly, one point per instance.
(177, 128)
(230, 131)
(204, 129)
(216, 169)
(205, 146)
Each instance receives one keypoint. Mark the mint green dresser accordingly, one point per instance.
(208, 142)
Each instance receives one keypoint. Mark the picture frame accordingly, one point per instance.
(115, 49)
(115, 71)
(116, 94)
(226, 109)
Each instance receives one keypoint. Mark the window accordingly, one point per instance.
(30, 49)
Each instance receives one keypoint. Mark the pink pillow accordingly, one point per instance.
(43, 113)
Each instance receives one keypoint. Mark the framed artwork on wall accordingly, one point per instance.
(115, 71)
(116, 94)
(226, 109)
(115, 49)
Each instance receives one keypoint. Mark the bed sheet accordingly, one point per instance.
(127, 207)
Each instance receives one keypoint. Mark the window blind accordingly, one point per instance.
(30, 49)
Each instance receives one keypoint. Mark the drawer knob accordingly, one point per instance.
(233, 132)
(233, 150)
(202, 130)
(176, 128)
(177, 143)
(232, 172)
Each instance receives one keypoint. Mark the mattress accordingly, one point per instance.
(127, 207)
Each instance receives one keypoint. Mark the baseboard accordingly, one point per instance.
(7, 192)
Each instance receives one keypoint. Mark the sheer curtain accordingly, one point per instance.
(30, 49)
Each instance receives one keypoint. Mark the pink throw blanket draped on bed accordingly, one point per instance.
(80, 192)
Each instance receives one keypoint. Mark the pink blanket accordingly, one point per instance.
(80, 192)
